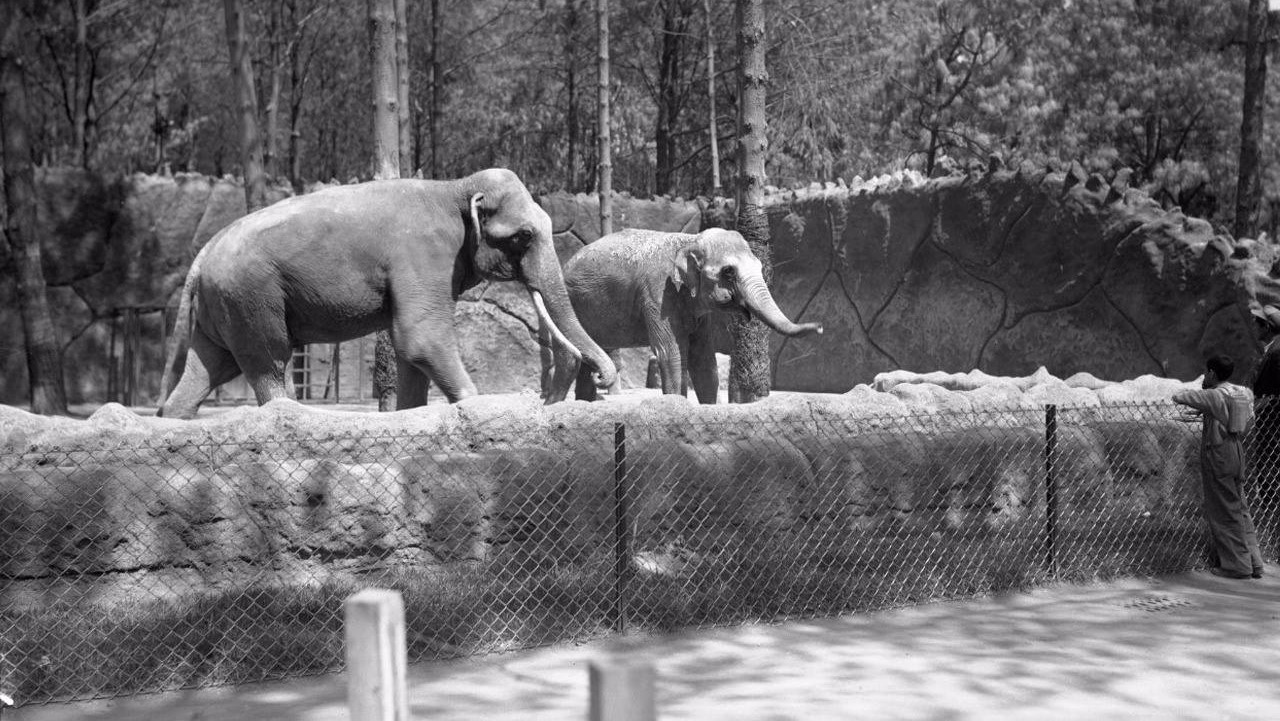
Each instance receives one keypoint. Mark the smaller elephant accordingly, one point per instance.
(638, 288)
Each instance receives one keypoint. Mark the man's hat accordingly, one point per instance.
(1267, 315)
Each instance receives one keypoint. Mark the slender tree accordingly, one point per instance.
(670, 94)
(437, 94)
(749, 369)
(573, 178)
(44, 353)
(605, 160)
(297, 86)
(383, 61)
(275, 66)
(712, 130)
(81, 93)
(386, 88)
(402, 89)
(1248, 184)
(255, 182)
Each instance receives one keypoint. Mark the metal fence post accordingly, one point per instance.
(621, 527)
(1050, 487)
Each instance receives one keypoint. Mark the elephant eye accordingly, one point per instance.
(728, 274)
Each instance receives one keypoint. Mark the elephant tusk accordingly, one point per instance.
(475, 214)
(541, 307)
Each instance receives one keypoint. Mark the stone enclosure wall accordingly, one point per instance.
(133, 505)
(1002, 272)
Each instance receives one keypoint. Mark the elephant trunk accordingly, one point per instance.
(542, 274)
(756, 297)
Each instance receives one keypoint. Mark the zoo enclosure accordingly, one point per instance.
(166, 564)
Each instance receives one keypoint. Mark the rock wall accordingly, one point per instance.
(122, 500)
(1002, 272)
(1006, 272)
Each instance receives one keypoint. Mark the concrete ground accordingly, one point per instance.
(1185, 647)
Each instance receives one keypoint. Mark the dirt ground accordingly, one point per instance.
(1192, 646)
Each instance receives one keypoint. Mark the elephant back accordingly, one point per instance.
(632, 247)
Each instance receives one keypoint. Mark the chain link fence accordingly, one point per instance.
(167, 565)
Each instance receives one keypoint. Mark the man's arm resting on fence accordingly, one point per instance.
(1207, 401)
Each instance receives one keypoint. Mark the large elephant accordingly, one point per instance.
(343, 262)
(639, 288)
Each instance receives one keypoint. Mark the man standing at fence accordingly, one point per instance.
(1226, 413)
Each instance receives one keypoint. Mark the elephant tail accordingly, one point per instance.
(175, 356)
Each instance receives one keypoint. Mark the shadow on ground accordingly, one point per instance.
(1191, 646)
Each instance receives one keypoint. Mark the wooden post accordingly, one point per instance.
(622, 690)
(376, 656)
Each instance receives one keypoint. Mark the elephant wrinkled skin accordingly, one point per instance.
(346, 261)
(639, 288)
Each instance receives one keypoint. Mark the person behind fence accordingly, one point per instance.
(1226, 414)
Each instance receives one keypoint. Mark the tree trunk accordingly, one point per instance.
(297, 83)
(402, 88)
(1249, 185)
(271, 151)
(713, 130)
(386, 159)
(605, 159)
(573, 179)
(255, 183)
(674, 25)
(749, 369)
(44, 352)
(81, 85)
(437, 80)
(386, 88)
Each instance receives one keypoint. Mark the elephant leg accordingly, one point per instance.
(429, 344)
(263, 365)
(671, 348)
(585, 389)
(411, 386)
(266, 377)
(702, 369)
(253, 329)
(563, 370)
(652, 375)
(615, 388)
(208, 366)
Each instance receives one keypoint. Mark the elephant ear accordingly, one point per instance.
(686, 269)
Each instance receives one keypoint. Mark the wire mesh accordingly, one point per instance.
(166, 565)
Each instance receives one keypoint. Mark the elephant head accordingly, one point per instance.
(722, 273)
(512, 240)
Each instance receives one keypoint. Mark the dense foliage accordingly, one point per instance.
(858, 87)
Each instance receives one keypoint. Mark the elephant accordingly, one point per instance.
(638, 288)
(345, 261)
